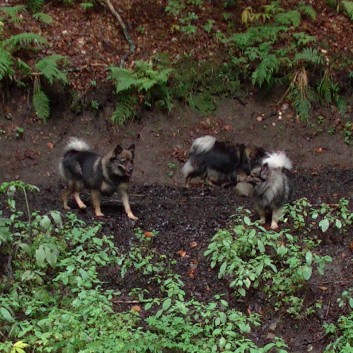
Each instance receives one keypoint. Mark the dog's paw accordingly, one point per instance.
(132, 217)
(274, 225)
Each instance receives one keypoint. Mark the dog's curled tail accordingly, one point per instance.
(76, 144)
(202, 144)
(278, 160)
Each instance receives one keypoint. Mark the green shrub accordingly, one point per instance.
(145, 84)
(276, 263)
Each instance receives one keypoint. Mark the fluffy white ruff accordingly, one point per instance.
(278, 160)
(76, 144)
(203, 144)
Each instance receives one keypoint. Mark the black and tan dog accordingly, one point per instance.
(81, 168)
(220, 163)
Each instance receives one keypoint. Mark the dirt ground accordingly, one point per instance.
(323, 172)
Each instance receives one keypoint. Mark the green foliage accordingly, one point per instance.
(309, 56)
(277, 263)
(87, 5)
(52, 298)
(190, 326)
(265, 70)
(342, 332)
(6, 64)
(204, 85)
(348, 8)
(126, 109)
(43, 17)
(142, 260)
(306, 217)
(145, 84)
(23, 41)
(35, 5)
(11, 13)
(290, 18)
(271, 52)
(307, 10)
(48, 67)
(41, 104)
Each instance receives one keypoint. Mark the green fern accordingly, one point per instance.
(341, 104)
(43, 17)
(123, 79)
(290, 18)
(307, 10)
(34, 5)
(12, 12)
(265, 70)
(309, 55)
(329, 91)
(303, 38)
(48, 67)
(41, 104)
(324, 89)
(19, 41)
(348, 8)
(144, 82)
(87, 5)
(6, 64)
(302, 107)
(24, 68)
(125, 110)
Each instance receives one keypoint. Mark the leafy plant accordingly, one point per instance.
(304, 216)
(12, 67)
(251, 257)
(348, 8)
(145, 84)
(141, 259)
(342, 332)
(190, 326)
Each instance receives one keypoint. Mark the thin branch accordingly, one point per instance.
(123, 27)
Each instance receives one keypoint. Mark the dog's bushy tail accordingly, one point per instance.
(76, 144)
(278, 160)
(202, 144)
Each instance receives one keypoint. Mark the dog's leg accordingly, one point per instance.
(65, 194)
(276, 215)
(125, 199)
(126, 203)
(96, 201)
(262, 215)
(187, 182)
(78, 200)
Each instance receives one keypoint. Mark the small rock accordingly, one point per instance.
(244, 189)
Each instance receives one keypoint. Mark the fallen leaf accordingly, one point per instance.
(136, 308)
(181, 253)
(193, 244)
(50, 145)
(318, 150)
(148, 234)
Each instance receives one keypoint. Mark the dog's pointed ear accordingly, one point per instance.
(264, 172)
(118, 149)
(132, 150)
